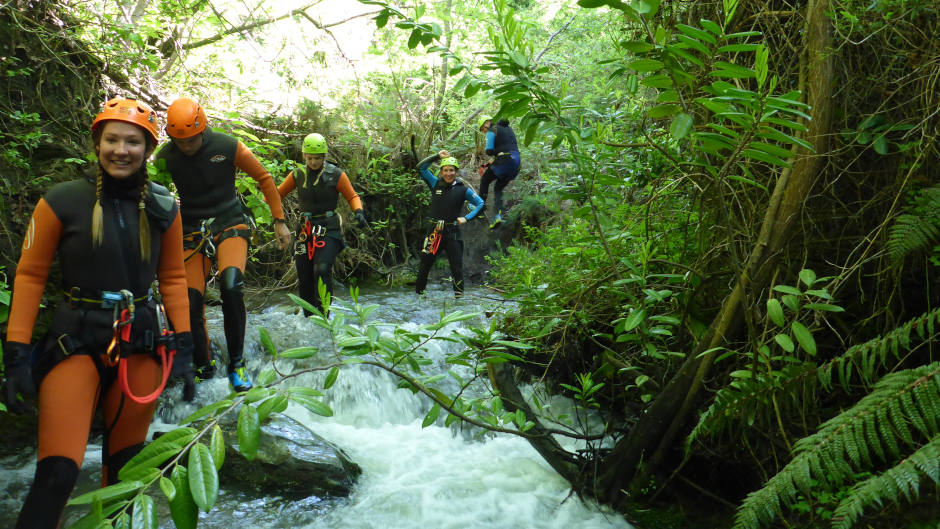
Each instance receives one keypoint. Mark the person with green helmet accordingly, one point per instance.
(501, 144)
(319, 234)
(448, 195)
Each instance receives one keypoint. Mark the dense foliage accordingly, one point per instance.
(724, 244)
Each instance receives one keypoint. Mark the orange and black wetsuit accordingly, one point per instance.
(77, 381)
(318, 192)
(216, 228)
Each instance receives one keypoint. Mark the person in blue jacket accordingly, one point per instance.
(448, 195)
(501, 144)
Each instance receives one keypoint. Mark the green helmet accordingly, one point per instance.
(450, 160)
(314, 143)
(483, 120)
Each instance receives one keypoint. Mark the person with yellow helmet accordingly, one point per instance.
(202, 164)
(502, 146)
(319, 235)
(448, 195)
(114, 233)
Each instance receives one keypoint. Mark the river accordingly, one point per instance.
(434, 477)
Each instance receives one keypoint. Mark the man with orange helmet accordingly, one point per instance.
(114, 233)
(203, 164)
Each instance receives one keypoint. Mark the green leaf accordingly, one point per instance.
(764, 157)
(634, 319)
(637, 46)
(183, 509)
(431, 416)
(697, 33)
(711, 26)
(681, 126)
(217, 446)
(331, 378)
(145, 513)
(738, 48)
(207, 410)
(791, 302)
(663, 111)
(297, 353)
(313, 405)
(156, 453)
(824, 307)
(203, 477)
(694, 44)
(119, 490)
(275, 404)
(591, 4)
(266, 341)
(657, 81)
(880, 144)
(249, 432)
(775, 312)
(646, 65)
(169, 490)
(804, 338)
(787, 289)
(785, 342)
(808, 277)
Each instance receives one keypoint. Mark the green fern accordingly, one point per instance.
(900, 480)
(877, 428)
(868, 360)
(919, 228)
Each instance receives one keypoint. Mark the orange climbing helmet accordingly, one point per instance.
(185, 118)
(129, 111)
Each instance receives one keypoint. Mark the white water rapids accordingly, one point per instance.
(433, 477)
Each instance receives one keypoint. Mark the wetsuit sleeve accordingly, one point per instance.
(247, 162)
(172, 276)
(477, 202)
(345, 187)
(288, 185)
(425, 172)
(39, 247)
(491, 143)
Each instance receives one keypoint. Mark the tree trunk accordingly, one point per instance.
(651, 440)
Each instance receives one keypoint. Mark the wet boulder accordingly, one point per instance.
(291, 461)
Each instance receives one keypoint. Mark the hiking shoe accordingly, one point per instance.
(497, 220)
(205, 372)
(239, 380)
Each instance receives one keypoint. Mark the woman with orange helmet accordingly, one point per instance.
(202, 164)
(114, 234)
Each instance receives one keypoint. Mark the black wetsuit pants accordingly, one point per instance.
(310, 273)
(453, 246)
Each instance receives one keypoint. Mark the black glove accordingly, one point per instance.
(183, 364)
(19, 380)
(361, 219)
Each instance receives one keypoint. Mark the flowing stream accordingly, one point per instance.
(435, 477)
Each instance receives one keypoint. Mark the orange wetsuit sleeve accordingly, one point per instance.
(39, 247)
(345, 187)
(172, 276)
(288, 185)
(247, 162)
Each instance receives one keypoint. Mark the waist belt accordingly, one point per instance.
(446, 222)
(308, 215)
(96, 299)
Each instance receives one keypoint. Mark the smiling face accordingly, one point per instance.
(190, 145)
(314, 161)
(122, 149)
(449, 173)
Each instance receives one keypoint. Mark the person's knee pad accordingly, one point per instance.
(115, 462)
(232, 282)
(322, 270)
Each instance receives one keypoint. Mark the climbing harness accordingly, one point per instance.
(202, 239)
(433, 241)
(308, 240)
(119, 348)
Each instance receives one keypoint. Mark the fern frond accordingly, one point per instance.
(748, 402)
(867, 359)
(879, 418)
(904, 477)
(918, 229)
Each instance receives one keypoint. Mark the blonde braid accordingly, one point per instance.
(97, 216)
(143, 223)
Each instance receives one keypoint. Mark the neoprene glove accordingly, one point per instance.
(183, 364)
(19, 380)
(361, 219)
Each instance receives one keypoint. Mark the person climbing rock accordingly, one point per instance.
(448, 195)
(110, 346)
(319, 233)
(504, 167)
(202, 164)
